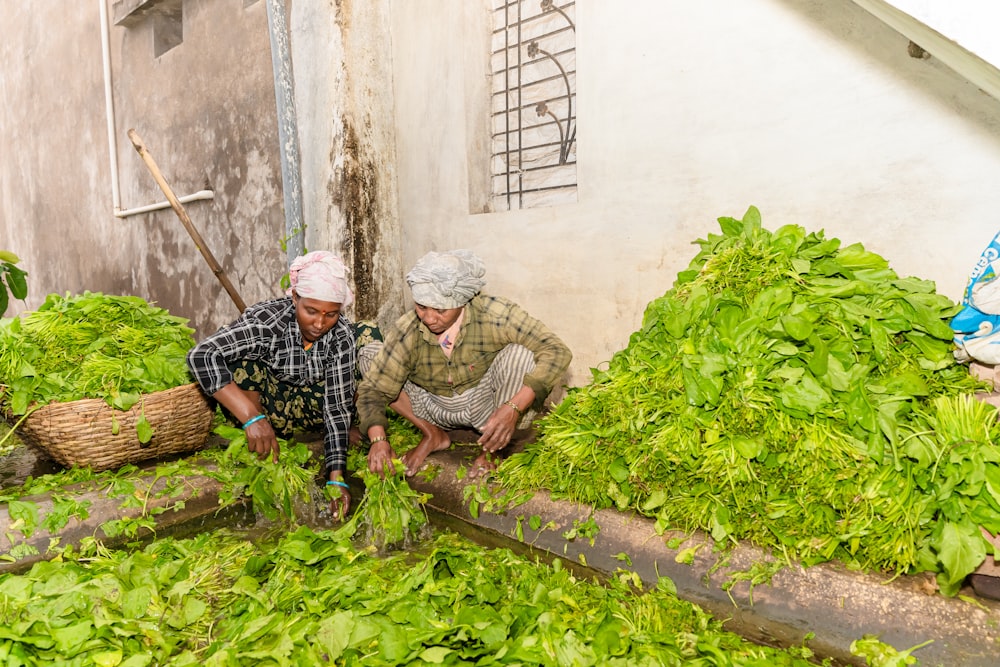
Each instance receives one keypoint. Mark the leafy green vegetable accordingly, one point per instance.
(274, 487)
(391, 514)
(12, 280)
(880, 654)
(92, 346)
(114, 348)
(309, 598)
(587, 529)
(791, 392)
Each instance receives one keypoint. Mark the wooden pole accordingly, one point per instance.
(185, 219)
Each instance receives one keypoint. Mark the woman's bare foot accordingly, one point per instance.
(414, 459)
(484, 464)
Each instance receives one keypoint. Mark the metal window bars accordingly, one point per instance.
(534, 104)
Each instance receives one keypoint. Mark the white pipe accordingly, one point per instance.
(109, 102)
(201, 194)
(288, 130)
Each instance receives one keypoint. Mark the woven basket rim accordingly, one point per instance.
(35, 406)
(90, 432)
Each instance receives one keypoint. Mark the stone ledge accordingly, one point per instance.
(201, 511)
(836, 605)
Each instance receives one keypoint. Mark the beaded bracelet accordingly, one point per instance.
(512, 404)
(337, 482)
(380, 438)
(253, 420)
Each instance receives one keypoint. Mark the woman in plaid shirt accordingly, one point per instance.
(288, 364)
(461, 359)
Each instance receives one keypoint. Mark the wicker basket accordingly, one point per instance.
(79, 433)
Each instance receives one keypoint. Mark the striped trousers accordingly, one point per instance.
(472, 408)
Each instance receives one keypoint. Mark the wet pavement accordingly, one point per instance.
(23, 462)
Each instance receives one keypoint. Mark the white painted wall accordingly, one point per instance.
(811, 110)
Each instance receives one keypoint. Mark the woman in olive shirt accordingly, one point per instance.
(461, 359)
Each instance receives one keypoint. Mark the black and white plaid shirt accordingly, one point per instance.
(269, 333)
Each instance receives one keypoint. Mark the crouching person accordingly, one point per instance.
(460, 359)
(288, 365)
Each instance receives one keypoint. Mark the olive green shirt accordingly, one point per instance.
(412, 353)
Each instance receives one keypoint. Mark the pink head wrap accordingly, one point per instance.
(320, 275)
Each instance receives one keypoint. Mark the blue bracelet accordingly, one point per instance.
(253, 420)
(337, 482)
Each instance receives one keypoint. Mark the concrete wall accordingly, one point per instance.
(969, 23)
(205, 111)
(341, 54)
(811, 110)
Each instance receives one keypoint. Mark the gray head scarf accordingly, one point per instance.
(446, 279)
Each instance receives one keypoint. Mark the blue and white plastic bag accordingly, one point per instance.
(977, 325)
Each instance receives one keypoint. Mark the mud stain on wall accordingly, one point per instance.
(356, 193)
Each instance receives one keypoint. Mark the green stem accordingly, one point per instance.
(19, 422)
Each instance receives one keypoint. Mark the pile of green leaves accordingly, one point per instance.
(12, 280)
(318, 597)
(282, 492)
(92, 345)
(285, 492)
(133, 486)
(794, 393)
(310, 598)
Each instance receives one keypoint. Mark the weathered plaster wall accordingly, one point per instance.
(54, 174)
(205, 111)
(811, 110)
(345, 107)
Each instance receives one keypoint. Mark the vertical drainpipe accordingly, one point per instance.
(288, 134)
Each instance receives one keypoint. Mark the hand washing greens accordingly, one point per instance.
(275, 488)
(391, 514)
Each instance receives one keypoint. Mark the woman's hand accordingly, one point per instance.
(261, 440)
(380, 458)
(245, 406)
(340, 503)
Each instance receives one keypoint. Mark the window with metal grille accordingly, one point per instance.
(534, 104)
